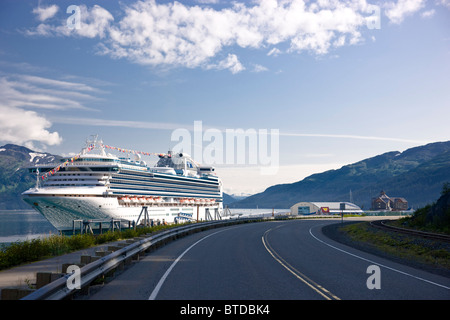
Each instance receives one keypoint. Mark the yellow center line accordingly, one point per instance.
(310, 283)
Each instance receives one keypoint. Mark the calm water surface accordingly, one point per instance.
(20, 225)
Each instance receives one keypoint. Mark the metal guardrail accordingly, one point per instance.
(58, 289)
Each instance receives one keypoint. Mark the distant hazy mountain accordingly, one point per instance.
(416, 174)
(14, 176)
(228, 199)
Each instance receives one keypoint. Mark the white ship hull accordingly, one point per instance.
(62, 211)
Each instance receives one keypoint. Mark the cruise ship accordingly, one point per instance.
(96, 185)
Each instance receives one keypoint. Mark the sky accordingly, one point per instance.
(313, 85)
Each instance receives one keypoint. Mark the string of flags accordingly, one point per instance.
(65, 163)
(88, 149)
(136, 152)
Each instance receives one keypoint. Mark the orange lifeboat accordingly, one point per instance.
(142, 199)
(134, 199)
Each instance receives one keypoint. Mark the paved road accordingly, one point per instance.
(276, 260)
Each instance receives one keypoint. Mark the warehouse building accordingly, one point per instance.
(308, 208)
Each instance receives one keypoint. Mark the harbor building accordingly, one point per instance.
(384, 202)
(308, 208)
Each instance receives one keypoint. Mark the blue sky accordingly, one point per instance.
(134, 71)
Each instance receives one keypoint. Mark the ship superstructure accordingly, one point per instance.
(96, 184)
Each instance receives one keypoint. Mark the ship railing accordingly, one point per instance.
(59, 289)
(52, 165)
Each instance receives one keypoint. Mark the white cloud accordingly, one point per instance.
(58, 83)
(259, 68)
(22, 127)
(22, 95)
(94, 23)
(428, 13)
(231, 63)
(44, 13)
(36, 92)
(445, 3)
(396, 12)
(208, 1)
(175, 34)
(274, 52)
(350, 136)
(121, 123)
(173, 126)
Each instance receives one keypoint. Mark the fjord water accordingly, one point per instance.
(20, 225)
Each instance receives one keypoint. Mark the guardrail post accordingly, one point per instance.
(102, 253)
(44, 278)
(66, 265)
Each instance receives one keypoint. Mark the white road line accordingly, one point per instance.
(166, 274)
(373, 262)
(318, 288)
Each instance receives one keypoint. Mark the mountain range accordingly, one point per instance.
(416, 174)
(14, 175)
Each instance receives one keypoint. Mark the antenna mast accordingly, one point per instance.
(37, 178)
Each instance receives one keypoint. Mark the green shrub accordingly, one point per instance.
(109, 236)
(37, 249)
(80, 241)
(57, 244)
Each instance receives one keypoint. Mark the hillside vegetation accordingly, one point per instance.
(433, 217)
(416, 174)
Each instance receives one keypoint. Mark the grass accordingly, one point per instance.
(419, 221)
(21, 252)
(407, 247)
(431, 218)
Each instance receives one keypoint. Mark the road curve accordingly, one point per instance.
(274, 260)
